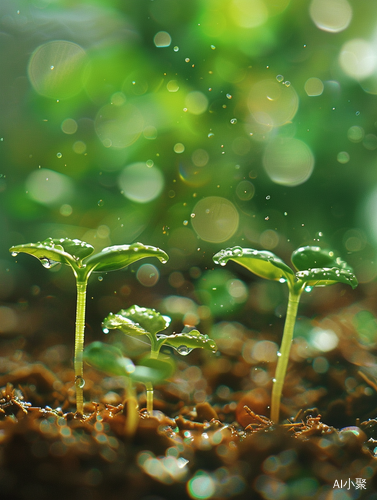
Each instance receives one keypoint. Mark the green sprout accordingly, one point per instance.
(110, 360)
(314, 266)
(78, 255)
(136, 321)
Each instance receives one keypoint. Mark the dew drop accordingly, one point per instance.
(192, 215)
(287, 83)
(187, 59)
(183, 350)
(233, 121)
(100, 203)
(282, 280)
(308, 289)
(228, 96)
(185, 222)
(80, 382)
(105, 330)
(14, 254)
(213, 47)
(100, 278)
(176, 48)
(210, 135)
(59, 155)
(48, 264)
(238, 251)
(280, 78)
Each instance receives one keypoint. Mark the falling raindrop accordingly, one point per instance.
(105, 330)
(308, 289)
(100, 278)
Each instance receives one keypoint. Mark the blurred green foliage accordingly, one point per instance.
(189, 126)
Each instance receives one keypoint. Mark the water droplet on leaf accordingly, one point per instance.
(280, 78)
(80, 382)
(59, 155)
(183, 350)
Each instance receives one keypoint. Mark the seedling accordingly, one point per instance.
(136, 321)
(78, 255)
(314, 266)
(110, 360)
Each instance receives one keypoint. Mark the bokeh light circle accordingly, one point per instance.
(141, 183)
(48, 187)
(147, 275)
(314, 87)
(119, 126)
(56, 69)
(196, 102)
(272, 103)
(248, 13)
(288, 161)
(162, 39)
(245, 190)
(331, 15)
(215, 219)
(358, 58)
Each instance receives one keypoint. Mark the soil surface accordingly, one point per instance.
(209, 436)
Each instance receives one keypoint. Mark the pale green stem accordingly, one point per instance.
(285, 348)
(79, 345)
(149, 387)
(132, 413)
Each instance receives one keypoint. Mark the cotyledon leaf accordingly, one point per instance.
(137, 320)
(63, 250)
(108, 359)
(185, 342)
(327, 276)
(312, 257)
(260, 262)
(120, 256)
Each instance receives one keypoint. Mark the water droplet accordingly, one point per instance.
(100, 278)
(183, 350)
(149, 163)
(192, 215)
(357, 113)
(233, 121)
(308, 289)
(52, 67)
(280, 78)
(59, 155)
(238, 251)
(185, 222)
(286, 213)
(287, 83)
(268, 197)
(80, 382)
(187, 59)
(222, 263)
(176, 48)
(100, 203)
(274, 380)
(210, 135)
(105, 330)
(213, 47)
(278, 354)
(47, 263)
(14, 254)
(228, 96)
(282, 280)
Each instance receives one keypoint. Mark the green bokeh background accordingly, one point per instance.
(141, 91)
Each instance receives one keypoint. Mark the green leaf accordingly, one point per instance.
(327, 276)
(260, 262)
(120, 256)
(305, 258)
(52, 251)
(153, 370)
(137, 321)
(185, 342)
(108, 359)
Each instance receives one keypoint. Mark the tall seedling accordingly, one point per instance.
(78, 255)
(314, 266)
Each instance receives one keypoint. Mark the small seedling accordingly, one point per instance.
(136, 321)
(78, 255)
(314, 266)
(110, 360)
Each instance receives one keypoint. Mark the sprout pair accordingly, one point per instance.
(78, 255)
(314, 267)
(138, 321)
